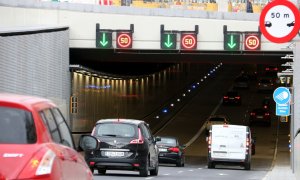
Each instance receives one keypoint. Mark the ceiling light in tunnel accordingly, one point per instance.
(189, 90)
(193, 86)
(172, 105)
(178, 100)
(157, 117)
(183, 94)
(165, 110)
(198, 83)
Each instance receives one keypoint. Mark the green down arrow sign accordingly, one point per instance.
(168, 41)
(104, 39)
(232, 42)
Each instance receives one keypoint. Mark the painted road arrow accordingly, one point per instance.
(103, 42)
(231, 44)
(168, 43)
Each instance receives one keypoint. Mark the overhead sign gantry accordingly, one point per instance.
(188, 39)
(241, 40)
(123, 37)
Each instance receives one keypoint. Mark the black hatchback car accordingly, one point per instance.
(232, 97)
(122, 144)
(170, 151)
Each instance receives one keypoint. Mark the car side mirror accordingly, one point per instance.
(88, 143)
(157, 139)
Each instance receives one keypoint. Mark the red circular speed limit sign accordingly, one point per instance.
(124, 40)
(252, 42)
(188, 41)
(280, 21)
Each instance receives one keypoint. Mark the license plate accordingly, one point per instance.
(114, 154)
(259, 117)
(220, 154)
(162, 150)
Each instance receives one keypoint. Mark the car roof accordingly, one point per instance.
(25, 101)
(218, 116)
(121, 120)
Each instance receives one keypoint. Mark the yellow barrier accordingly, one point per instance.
(212, 7)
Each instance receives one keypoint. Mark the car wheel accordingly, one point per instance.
(102, 171)
(179, 162)
(154, 172)
(144, 170)
(247, 166)
(210, 165)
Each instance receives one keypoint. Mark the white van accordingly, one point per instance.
(229, 144)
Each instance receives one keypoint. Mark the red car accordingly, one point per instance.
(35, 141)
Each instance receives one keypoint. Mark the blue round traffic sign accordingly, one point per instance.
(282, 95)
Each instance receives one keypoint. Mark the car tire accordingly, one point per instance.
(145, 169)
(154, 172)
(247, 166)
(101, 171)
(179, 162)
(210, 165)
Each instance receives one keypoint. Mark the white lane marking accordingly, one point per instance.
(200, 168)
(191, 170)
(180, 172)
(221, 174)
(166, 174)
(149, 178)
(196, 136)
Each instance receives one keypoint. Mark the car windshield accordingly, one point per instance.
(115, 130)
(216, 119)
(16, 126)
(167, 141)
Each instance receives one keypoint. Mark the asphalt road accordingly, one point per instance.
(187, 126)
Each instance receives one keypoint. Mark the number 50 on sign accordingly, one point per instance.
(252, 42)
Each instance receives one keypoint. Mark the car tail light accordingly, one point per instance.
(140, 140)
(267, 69)
(267, 114)
(247, 142)
(40, 164)
(174, 149)
(275, 69)
(225, 97)
(46, 163)
(136, 165)
(237, 97)
(252, 113)
(209, 143)
(265, 107)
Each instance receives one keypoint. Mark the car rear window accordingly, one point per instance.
(168, 141)
(115, 130)
(16, 126)
(216, 119)
(232, 93)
